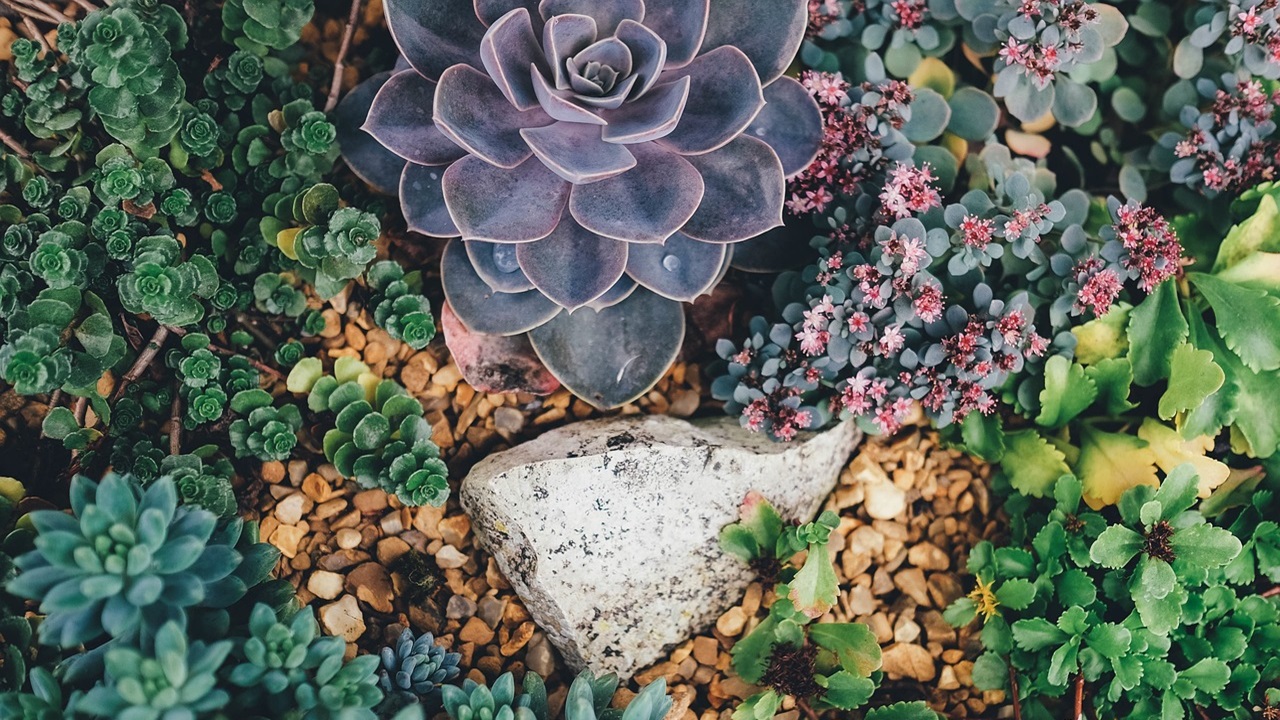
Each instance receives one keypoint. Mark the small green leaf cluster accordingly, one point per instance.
(398, 305)
(1147, 610)
(262, 24)
(413, 670)
(206, 382)
(202, 482)
(16, 631)
(824, 665)
(333, 244)
(263, 431)
(379, 435)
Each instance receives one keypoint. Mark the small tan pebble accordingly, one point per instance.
(454, 529)
(272, 472)
(427, 521)
(861, 601)
(865, 540)
(370, 501)
(326, 510)
(460, 607)
(450, 557)
(491, 610)
(732, 622)
(508, 420)
(964, 672)
(476, 631)
(936, 627)
(515, 613)
(287, 537)
(348, 538)
(329, 472)
(448, 377)
(905, 630)
(947, 679)
(519, 638)
(343, 559)
(289, 511)
(928, 556)
(751, 600)
(343, 618)
(909, 661)
(391, 549)
(538, 656)
(879, 625)
(324, 584)
(371, 584)
(661, 670)
(332, 323)
(911, 582)
(706, 650)
(884, 501)
(392, 523)
(317, 488)
(737, 687)
(952, 656)
(945, 589)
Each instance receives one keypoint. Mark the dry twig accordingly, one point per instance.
(335, 87)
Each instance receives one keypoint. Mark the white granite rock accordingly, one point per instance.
(608, 529)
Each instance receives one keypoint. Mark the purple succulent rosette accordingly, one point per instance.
(598, 159)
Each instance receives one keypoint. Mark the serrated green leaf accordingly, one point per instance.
(990, 672)
(737, 540)
(1067, 392)
(246, 401)
(1103, 338)
(760, 706)
(1032, 464)
(902, 711)
(1193, 377)
(1111, 463)
(1205, 546)
(1016, 594)
(1209, 675)
(1114, 380)
(1036, 634)
(814, 589)
(1156, 328)
(846, 691)
(984, 436)
(1257, 232)
(853, 643)
(1248, 320)
(751, 653)
(1115, 547)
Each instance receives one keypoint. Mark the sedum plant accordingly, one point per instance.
(589, 699)
(596, 192)
(823, 666)
(379, 436)
(398, 306)
(414, 669)
(265, 432)
(498, 701)
(126, 562)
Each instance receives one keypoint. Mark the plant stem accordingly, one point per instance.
(14, 145)
(88, 6)
(175, 422)
(1273, 592)
(252, 328)
(259, 366)
(353, 18)
(1200, 711)
(1013, 688)
(1079, 702)
(80, 410)
(144, 360)
(804, 707)
(32, 30)
(54, 13)
(54, 401)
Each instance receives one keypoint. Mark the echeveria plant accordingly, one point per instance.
(595, 157)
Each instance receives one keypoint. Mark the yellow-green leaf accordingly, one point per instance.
(1193, 377)
(1111, 463)
(1172, 450)
(1032, 464)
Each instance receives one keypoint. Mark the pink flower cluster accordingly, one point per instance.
(977, 232)
(909, 14)
(782, 418)
(821, 14)
(1040, 60)
(1253, 28)
(1152, 250)
(1248, 102)
(850, 132)
(909, 191)
(1100, 285)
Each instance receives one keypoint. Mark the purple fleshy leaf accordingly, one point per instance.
(646, 204)
(497, 265)
(573, 266)
(681, 24)
(724, 97)
(483, 310)
(745, 192)
(366, 157)
(495, 364)
(768, 31)
(791, 122)
(648, 54)
(472, 111)
(557, 104)
(614, 99)
(490, 11)
(434, 35)
(620, 291)
(508, 49)
(562, 38)
(610, 52)
(613, 356)
(495, 204)
(400, 119)
(576, 153)
(606, 13)
(651, 117)
(679, 269)
(422, 201)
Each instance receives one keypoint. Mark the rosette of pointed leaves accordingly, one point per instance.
(415, 668)
(398, 307)
(44, 702)
(265, 432)
(590, 699)
(1039, 43)
(126, 560)
(127, 48)
(178, 679)
(275, 295)
(581, 149)
(341, 691)
(60, 258)
(474, 701)
(279, 659)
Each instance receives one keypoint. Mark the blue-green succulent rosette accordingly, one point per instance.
(599, 159)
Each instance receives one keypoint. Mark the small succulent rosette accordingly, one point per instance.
(599, 159)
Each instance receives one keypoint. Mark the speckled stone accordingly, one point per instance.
(608, 529)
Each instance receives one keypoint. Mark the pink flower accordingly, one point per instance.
(909, 191)
(891, 340)
(928, 303)
(1099, 287)
(976, 232)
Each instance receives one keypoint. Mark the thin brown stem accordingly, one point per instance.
(14, 145)
(81, 410)
(252, 328)
(88, 6)
(54, 401)
(805, 708)
(335, 86)
(25, 11)
(33, 32)
(54, 13)
(175, 423)
(144, 360)
(1079, 701)
(261, 367)
(1201, 712)
(1273, 592)
(1013, 689)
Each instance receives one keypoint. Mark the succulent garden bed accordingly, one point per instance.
(346, 351)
